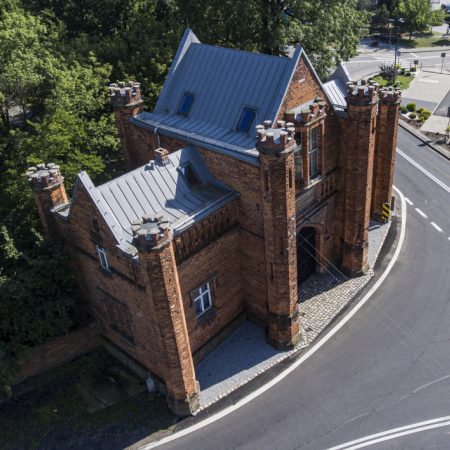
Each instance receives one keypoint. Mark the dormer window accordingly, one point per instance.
(186, 104)
(189, 175)
(246, 119)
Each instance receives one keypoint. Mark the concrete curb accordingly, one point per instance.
(437, 148)
(409, 50)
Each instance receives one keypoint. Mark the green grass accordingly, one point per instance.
(404, 81)
(51, 412)
(425, 42)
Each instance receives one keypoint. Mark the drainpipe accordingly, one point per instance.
(156, 132)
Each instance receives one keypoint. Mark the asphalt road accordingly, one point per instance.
(388, 367)
(368, 63)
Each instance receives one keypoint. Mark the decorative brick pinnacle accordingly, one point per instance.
(151, 230)
(362, 92)
(391, 95)
(275, 139)
(125, 95)
(43, 176)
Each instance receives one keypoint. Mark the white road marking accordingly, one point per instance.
(424, 80)
(437, 228)
(415, 56)
(448, 238)
(440, 183)
(407, 200)
(300, 361)
(421, 213)
(394, 433)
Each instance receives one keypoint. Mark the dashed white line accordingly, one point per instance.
(437, 228)
(421, 213)
(407, 200)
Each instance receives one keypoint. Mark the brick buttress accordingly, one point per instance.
(127, 103)
(47, 185)
(357, 174)
(155, 246)
(386, 144)
(276, 147)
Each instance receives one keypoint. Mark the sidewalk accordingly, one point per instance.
(245, 354)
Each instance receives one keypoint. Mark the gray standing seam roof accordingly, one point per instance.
(335, 87)
(223, 81)
(157, 189)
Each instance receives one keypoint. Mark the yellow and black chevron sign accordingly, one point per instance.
(386, 210)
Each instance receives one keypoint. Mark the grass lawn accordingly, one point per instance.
(404, 81)
(46, 413)
(425, 42)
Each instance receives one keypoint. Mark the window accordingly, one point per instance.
(186, 104)
(313, 152)
(189, 175)
(246, 120)
(95, 226)
(102, 256)
(298, 159)
(202, 299)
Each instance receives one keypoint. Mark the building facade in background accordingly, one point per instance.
(249, 175)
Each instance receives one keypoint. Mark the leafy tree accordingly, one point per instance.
(381, 17)
(37, 297)
(417, 15)
(329, 31)
(437, 18)
(389, 4)
(364, 5)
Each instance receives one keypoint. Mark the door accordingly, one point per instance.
(306, 252)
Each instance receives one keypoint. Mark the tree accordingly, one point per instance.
(381, 17)
(364, 5)
(389, 4)
(417, 15)
(437, 18)
(329, 31)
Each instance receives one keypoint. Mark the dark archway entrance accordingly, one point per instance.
(306, 252)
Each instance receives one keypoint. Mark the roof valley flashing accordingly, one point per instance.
(157, 189)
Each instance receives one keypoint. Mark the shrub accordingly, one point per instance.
(425, 115)
(421, 119)
(408, 74)
(411, 107)
(421, 110)
(403, 71)
(374, 43)
(413, 69)
(404, 109)
(412, 116)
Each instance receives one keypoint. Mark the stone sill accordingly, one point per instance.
(314, 182)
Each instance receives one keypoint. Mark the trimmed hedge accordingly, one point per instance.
(412, 116)
(411, 107)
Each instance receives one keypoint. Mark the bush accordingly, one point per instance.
(374, 43)
(408, 74)
(421, 110)
(421, 119)
(413, 69)
(411, 107)
(412, 116)
(404, 109)
(403, 71)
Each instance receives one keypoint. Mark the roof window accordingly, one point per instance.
(246, 119)
(189, 175)
(186, 104)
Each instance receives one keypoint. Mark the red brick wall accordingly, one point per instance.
(220, 260)
(59, 351)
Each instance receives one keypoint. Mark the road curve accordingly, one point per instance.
(388, 367)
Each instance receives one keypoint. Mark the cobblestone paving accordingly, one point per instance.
(245, 354)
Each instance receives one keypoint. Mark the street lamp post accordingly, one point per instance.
(396, 50)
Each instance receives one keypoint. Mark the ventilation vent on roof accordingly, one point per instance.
(186, 104)
(246, 119)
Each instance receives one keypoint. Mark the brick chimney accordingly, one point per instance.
(47, 185)
(127, 102)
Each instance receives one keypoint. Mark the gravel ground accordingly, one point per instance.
(245, 354)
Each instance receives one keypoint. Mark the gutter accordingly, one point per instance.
(198, 141)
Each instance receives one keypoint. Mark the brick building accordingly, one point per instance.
(249, 175)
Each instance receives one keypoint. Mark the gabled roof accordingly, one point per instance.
(223, 81)
(335, 87)
(156, 189)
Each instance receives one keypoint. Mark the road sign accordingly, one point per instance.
(386, 210)
(416, 62)
(399, 53)
(443, 55)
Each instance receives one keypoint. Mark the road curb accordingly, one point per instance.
(437, 148)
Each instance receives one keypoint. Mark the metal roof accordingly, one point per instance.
(157, 189)
(335, 87)
(223, 81)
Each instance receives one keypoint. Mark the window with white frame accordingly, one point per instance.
(313, 152)
(202, 299)
(102, 256)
